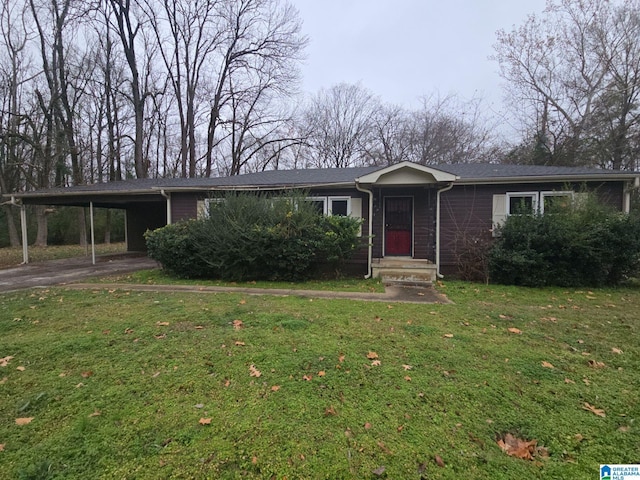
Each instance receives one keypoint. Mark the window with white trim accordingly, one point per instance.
(339, 206)
(334, 205)
(522, 203)
(555, 201)
(528, 203)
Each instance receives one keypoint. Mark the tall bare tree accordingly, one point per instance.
(573, 73)
(340, 121)
(260, 40)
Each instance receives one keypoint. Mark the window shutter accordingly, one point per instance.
(499, 211)
(356, 207)
(201, 209)
(356, 210)
(580, 199)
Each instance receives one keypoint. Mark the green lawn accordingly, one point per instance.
(12, 256)
(142, 385)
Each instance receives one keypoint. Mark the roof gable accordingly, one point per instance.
(406, 173)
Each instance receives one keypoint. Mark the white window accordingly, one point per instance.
(339, 206)
(208, 204)
(320, 204)
(555, 201)
(522, 203)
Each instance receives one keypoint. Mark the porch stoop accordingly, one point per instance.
(404, 270)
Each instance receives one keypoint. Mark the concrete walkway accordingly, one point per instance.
(69, 272)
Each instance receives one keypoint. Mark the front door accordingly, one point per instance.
(398, 225)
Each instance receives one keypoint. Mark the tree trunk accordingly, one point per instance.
(107, 228)
(14, 238)
(82, 227)
(41, 219)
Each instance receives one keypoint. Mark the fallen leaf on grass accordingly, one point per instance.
(379, 471)
(275, 388)
(623, 428)
(321, 373)
(97, 413)
(162, 324)
(237, 324)
(616, 350)
(198, 327)
(516, 447)
(568, 380)
(254, 372)
(586, 381)
(448, 335)
(160, 337)
(372, 355)
(86, 374)
(239, 344)
(376, 363)
(546, 364)
(407, 378)
(307, 377)
(4, 380)
(204, 421)
(21, 368)
(330, 411)
(514, 330)
(597, 411)
(2, 447)
(596, 364)
(341, 358)
(24, 420)
(439, 461)
(384, 448)
(5, 361)
(367, 426)
(407, 367)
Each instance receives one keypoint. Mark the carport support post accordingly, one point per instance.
(93, 236)
(25, 240)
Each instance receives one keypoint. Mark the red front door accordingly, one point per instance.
(398, 220)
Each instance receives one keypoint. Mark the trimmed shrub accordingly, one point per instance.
(585, 245)
(248, 237)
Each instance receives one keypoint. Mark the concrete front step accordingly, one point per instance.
(405, 271)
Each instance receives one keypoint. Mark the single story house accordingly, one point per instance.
(416, 219)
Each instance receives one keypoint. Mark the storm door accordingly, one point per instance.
(398, 226)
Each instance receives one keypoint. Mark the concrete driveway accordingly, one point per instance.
(57, 272)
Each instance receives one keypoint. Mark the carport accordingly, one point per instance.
(144, 208)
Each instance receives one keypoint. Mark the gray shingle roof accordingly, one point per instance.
(470, 173)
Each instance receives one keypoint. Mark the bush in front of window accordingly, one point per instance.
(249, 237)
(586, 245)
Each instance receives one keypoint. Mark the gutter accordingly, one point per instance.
(370, 224)
(445, 189)
(168, 197)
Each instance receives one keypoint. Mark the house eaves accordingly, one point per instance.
(546, 179)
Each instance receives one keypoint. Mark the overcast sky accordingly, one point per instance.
(404, 49)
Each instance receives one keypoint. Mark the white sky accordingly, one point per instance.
(402, 50)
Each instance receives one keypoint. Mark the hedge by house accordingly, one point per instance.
(250, 237)
(584, 245)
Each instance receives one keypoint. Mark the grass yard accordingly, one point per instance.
(12, 256)
(158, 276)
(109, 384)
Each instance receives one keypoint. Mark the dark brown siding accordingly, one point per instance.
(467, 211)
(184, 206)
